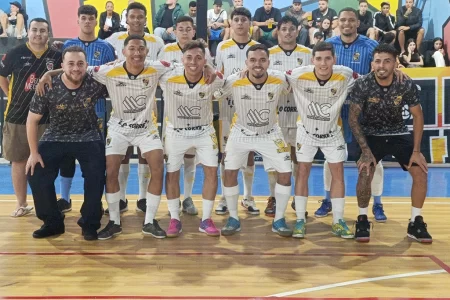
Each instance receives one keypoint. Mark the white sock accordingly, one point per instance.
(124, 171)
(294, 171)
(174, 208)
(144, 179)
(113, 200)
(363, 210)
(189, 176)
(300, 207)
(232, 196)
(272, 182)
(326, 177)
(249, 173)
(378, 180)
(282, 194)
(207, 208)
(222, 176)
(338, 209)
(415, 212)
(152, 207)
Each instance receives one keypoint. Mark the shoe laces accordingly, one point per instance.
(271, 201)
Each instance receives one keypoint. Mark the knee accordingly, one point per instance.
(421, 31)
(112, 174)
(210, 173)
(284, 179)
(19, 17)
(172, 177)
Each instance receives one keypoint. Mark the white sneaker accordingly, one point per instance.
(250, 206)
(221, 208)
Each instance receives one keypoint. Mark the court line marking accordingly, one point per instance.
(206, 298)
(352, 282)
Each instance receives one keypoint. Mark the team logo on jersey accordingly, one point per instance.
(287, 157)
(270, 95)
(246, 97)
(97, 54)
(309, 90)
(374, 100)
(201, 95)
(333, 92)
(319, 111)
(257, 118)
(214, 140)
(398, 100)
(108, 141)
(145, 81)
(50, 64)
(87, 102)
(231, 55)
(178, 93)
(281, 146)
(27, 64)
(134, 105)
(174, 61)
(278, 63)
(185, 112)
(120, 83)
(341, 147)
(61, 106)
(356, 56)
(299, 146)
(300, 61)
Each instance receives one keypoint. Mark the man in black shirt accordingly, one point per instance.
(25, 63)
(381, 131)
(265, 22)
(73, 132)
(166, 18)
(321, 13)
(365, 20)
(384, 24)
(409, 24)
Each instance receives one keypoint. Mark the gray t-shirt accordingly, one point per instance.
(72, 112)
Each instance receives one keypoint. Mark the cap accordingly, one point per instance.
(297, 1)
(16, 3)
(385, 3)
(318, 35)
(217, 2)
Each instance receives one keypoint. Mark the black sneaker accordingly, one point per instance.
(63, 205)
(362, 232)
(47, 230)
(89, 234)
(110, 231)
(417, 230)
(123, 205)
(154, 230)
(141, 205)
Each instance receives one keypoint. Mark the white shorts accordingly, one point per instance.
(272, 147)
(333, 154)
(290, 135)
(117, 144)
(205, 148)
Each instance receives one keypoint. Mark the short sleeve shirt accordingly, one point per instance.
(382, 106)
(72, 112)
(261, 16)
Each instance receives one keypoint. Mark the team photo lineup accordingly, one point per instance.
(283, 91)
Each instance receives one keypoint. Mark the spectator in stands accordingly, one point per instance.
(323, 12)
(2, 13)
(365, 20)
(411, 57)
(218, 22)
(324, 28)
(318, 37)
(236, 3)
(123, 20)
(264, 24)
(109, 21)
(14, 24)
(384, 24)
(296, 11)
(437, 57)
(192, 11)
(409, 24)
(166, 18)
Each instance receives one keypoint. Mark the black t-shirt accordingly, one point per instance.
(72, 112)
(330, 14)
(26, 69)
(167, 20)
(261, 16)
(382, 106)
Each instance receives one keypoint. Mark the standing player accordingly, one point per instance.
(283, 57)
(136, 20)
(381, 131)
(25, 63)
(185, 32)
(355, 52)
(189, 117)
(320, 92)
(255, 128)
(230, 59)
(98, 52)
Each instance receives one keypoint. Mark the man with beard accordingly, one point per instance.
(381, 131)
(73, 133)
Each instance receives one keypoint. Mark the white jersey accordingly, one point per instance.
(154, 44)
(256, 104)
(230, 59)
(188, 105)
(319, 104)
(172, 53)
(282, 60)
(132, 97)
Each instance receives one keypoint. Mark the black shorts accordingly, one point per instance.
(400, 146)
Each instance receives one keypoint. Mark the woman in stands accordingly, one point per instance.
(411, 57)
(437, 57)
(325, 28)
(109, 21)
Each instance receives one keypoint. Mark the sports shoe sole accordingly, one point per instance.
(155, 236)
(321, 216)
(174, 235)
(221, 212)
(298, 236)
(282, 233)
(423, 241)
(139, 210)
(66, 210)
(362, 239)
(228, 233)
(380, 221)
(347, 237)
(189, 213)
(270, 215)
(208, 234)
(109, 237)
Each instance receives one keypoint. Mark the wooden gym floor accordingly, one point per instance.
(253, 264)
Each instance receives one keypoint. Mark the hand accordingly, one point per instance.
(419, 159)
(402, 28)
(209, 74)
(57, 45)
(169, 30)
(105, 28)
(32, 161)
(401, 77)
(244, 72)
(366, 161)
(45, 80)
(409, 11)
(442, 51)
